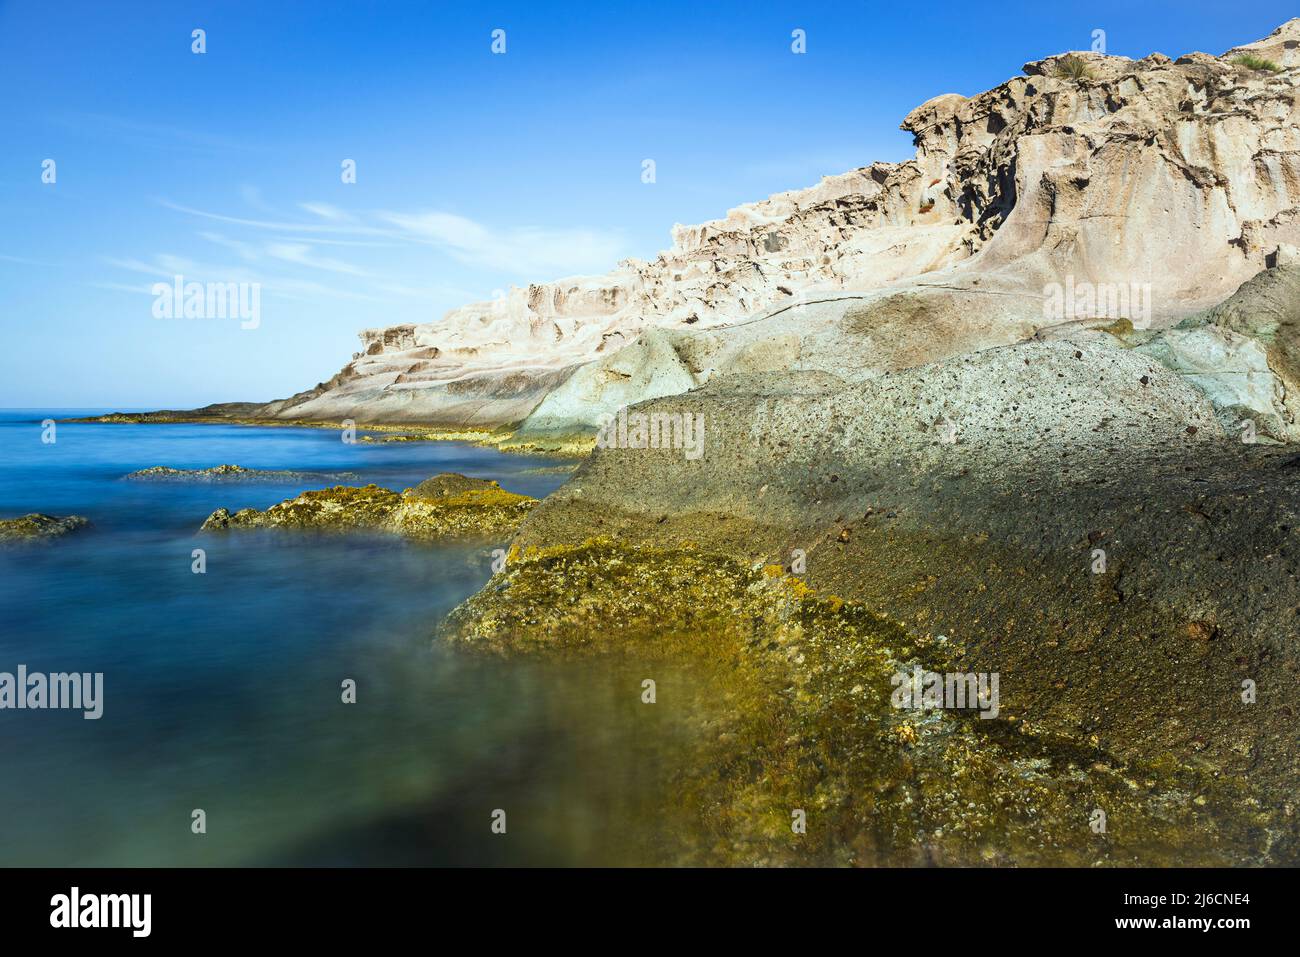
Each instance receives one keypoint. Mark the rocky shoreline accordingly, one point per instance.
(1024, 406)
(1069, 512)
(1088, 531)
(796, 716)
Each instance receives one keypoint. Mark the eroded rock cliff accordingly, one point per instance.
(1173, 179)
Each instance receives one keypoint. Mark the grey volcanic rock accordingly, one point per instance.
(1265, 311)
(1050, 409)
(1241, 354)
(1232, 371)
(649, 368)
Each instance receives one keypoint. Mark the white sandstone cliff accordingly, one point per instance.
(1178, 177)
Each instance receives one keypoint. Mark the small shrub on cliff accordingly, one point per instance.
(1071, 67)
(1252, 62)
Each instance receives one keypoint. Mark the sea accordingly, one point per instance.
(225, 737)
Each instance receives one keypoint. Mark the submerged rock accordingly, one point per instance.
(37, 527)
(232, 473)
(447, 505)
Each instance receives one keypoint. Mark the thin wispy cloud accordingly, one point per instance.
(165, 267)
(355, 243)
(549, 253)
(325, 211)
(301, 254)
(516, 253)
(289, 252)
(245, 251)
(273, 225)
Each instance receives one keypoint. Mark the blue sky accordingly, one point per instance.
(475, 171)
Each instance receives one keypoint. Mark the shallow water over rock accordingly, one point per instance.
(223, 691)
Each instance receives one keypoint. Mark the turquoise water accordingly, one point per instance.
(222, 690)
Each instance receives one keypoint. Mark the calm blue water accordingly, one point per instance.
(222, 690)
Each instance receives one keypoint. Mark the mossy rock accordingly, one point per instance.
(38, 527)
(450, 506)
(450, 483)
(794, 711)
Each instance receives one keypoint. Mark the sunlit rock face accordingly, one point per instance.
(1173, 177)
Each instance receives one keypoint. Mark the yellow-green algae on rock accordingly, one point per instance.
(446, 506)
(793, 712)
(37, 527)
